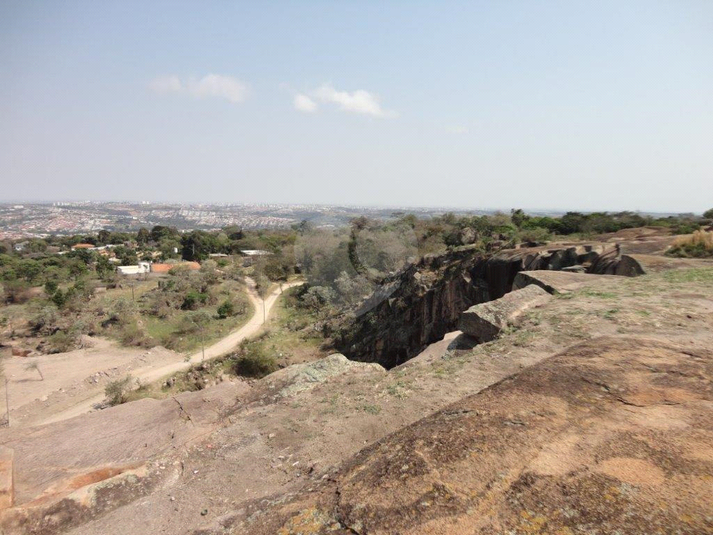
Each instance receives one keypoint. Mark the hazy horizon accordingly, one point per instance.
(552, 106)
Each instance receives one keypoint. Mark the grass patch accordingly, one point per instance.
(679, 276)
(371, 409)
(598, 294)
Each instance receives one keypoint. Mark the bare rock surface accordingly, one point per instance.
(300, 377)
(554, 281)
(485, 321)
(613, 435)
(591, 414)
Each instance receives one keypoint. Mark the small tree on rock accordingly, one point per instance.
(34, 365)
(116, 391)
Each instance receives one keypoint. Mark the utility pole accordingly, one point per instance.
(7, 402)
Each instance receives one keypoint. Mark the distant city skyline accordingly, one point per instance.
(547, 106)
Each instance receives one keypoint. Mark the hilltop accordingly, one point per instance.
(591, 410)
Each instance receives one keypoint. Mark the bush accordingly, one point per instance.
(193, 300)
(535, 235)
(130, 334)
(62, 341)
(17, 292)
(254, 361)
(697, 245)
(226, 309)
(116, 391)
(45, 321)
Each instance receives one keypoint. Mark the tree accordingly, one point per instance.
(198, 245)
(103, 236)
(34, 365)
(142, 236)
(519, 217)
(160, 232)
(226, 309)
(708, 214)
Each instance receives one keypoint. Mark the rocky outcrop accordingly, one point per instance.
(554, 281)
(7, 482)
(485, 321)
(611, 436)
(298, 378)
(423, 303)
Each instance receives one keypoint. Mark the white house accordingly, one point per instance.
(141, 268)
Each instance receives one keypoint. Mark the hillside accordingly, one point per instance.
(590, 413)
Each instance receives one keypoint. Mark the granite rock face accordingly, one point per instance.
(554, 281)
(421, 304)
(485, 321)
(588, 441)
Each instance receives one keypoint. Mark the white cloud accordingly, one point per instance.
(165, 84)
(212, 85)
(359, 101)
(304, 103)
(216, 85)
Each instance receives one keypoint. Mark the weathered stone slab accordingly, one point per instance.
(628, 266)
(554, 281)
(7, 481)
(485, 321)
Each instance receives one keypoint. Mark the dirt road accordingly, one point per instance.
(149, 374)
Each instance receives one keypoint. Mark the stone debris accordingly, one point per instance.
(485, 321)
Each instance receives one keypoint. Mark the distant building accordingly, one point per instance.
(139, 269)
(251, 255)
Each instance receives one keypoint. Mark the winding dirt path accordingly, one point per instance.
(151, 374)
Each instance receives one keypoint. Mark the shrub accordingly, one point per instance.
(193, 300)
(130, 334)
(697, 245)
(45, 321)
(116, 391)
(535, 235)
(50, 287)
(254, 361)
(61, 342)
(226, 309)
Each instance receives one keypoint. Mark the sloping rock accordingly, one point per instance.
(7, 483)
(611, 436)
(420, 305)
(554, 281)
(301, 377)
(484, 322)
(54, 465)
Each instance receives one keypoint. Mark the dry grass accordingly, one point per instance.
(698, 245)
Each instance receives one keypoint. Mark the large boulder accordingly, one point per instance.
(485, 321)
(555, 281)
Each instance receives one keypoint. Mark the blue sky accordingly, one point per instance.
(572, 105)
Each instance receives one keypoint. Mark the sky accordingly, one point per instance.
(604, 105)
